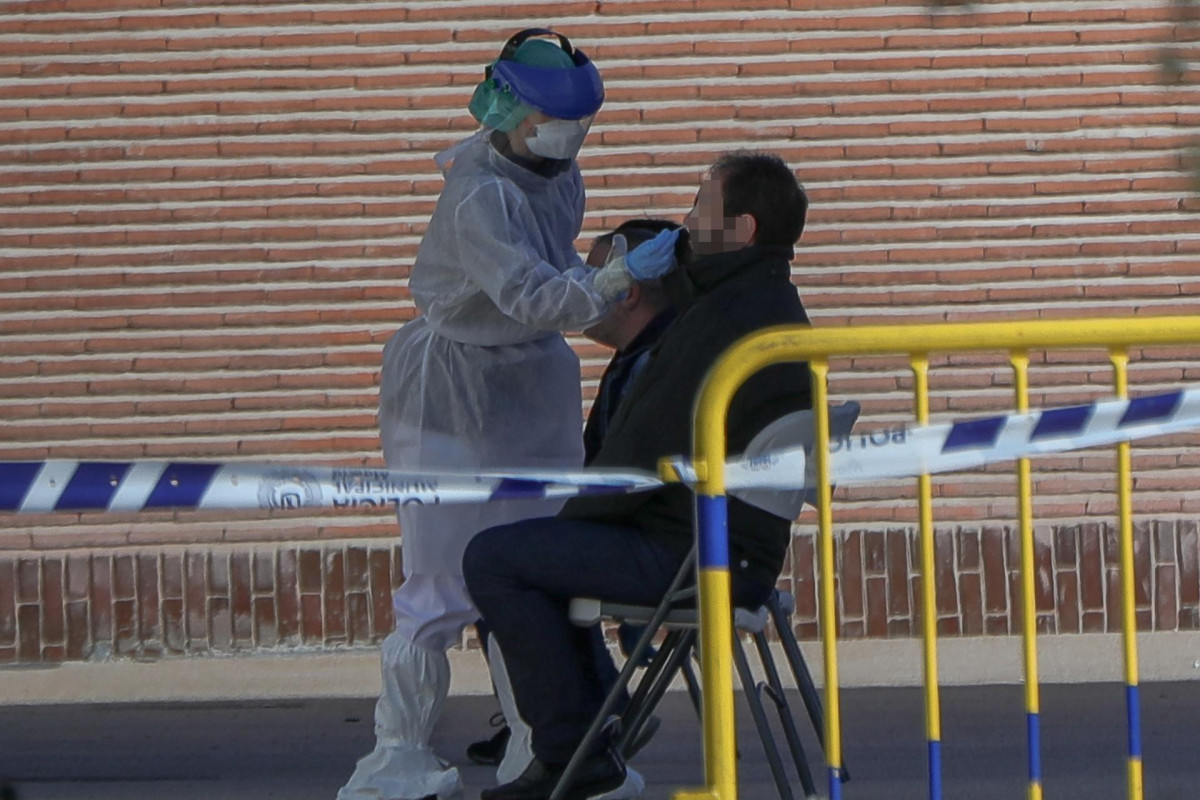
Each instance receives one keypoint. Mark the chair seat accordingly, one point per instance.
(587, 611)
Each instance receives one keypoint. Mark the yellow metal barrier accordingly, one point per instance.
(776, 345)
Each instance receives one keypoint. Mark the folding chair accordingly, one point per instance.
(682, 626)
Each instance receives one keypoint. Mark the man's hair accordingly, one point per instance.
(637, 231)
(763, 186)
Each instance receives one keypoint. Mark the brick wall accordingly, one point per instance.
(148, 603)
(207, 215)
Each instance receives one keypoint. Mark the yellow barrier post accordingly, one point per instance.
(828, 610)
(933, 711)
(805, 344)
(1133, 708)
(1033, 727)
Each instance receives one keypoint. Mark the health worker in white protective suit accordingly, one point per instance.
(484, 379)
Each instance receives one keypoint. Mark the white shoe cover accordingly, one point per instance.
(403, 766)
(518, 753)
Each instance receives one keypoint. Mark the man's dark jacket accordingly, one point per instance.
(733, 294)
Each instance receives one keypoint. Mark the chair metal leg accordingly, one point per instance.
(754, 700)
(778, 695)
(693, 686)
(601, 719)
(675, 650)
(804, 681)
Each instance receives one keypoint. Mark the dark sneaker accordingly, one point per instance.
(490, 752)
(597, 775)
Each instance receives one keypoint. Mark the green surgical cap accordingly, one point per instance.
(542, 53)
(501, 109)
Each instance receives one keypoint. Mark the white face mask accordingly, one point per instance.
(559, 138)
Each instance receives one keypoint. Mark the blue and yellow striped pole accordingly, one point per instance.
(1133, 707)
(1033, 727)
(933, 711)
(715, 603)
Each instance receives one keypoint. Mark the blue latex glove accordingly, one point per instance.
(654, 258)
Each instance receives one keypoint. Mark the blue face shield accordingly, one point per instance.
(571, 93)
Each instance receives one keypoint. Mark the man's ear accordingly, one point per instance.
(632, 298)
(745, 228)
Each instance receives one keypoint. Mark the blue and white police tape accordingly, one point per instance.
(39, 486)
(903, 452)
(32, 486)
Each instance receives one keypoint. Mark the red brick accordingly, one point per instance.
(266, 632)
(240, 598)
(995, 581)
(196, 600)
(287, 598)
(918, 600)
(970, 598)
(897, 572)
(358, 606)
(125, 628)
(805, 587)
(1114, 599)
(1166, 607)
(947, 594)
(968, 550)
(172, 577)
(28, 580)
(53, 609)
(335, 596)
(852, 630)
(356, 569)
(1068, 602)
(1142, 567)
(1090, 568)
(381, 592)
(264, 573)
(124, 578)
(311, 619)
(29, 623)
(76, 642)
(8, 604)
(78, 577)
(1189, 565)
(874, 553)
(174, 636)
(310, 571)
(220, 625)
(149, 626)
(877, 613)
(218, 574)
(101, 600)
(851, 579)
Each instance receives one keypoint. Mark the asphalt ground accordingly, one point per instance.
(302, 749)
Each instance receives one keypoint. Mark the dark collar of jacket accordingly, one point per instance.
(706, 273)
(648, 335)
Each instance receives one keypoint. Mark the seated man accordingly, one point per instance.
(749, 213)
(631, 327)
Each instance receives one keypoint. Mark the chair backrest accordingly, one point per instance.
(790, 432)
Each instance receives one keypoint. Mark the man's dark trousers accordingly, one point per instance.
(522, 578)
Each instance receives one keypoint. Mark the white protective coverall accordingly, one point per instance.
(484, 379)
